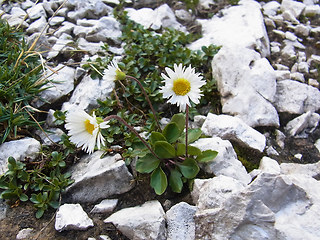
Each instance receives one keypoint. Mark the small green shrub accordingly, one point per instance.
(42, 185)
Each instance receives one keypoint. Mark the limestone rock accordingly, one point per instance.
(233, 128)
(302, 125)
(61, 83)
(72, 217)
(18, 149)
(244, 21)
(105, 206)
(296, 98)
(142, 222)
(180, 222)
(162, 16)
(247, 84)
(97, 178)
(226, 163)
(87, 93)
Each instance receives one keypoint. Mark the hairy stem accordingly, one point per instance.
(148, 100)
(132, 130)
(187, 121)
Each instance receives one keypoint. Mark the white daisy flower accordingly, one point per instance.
(182, 84)
(113, 72)
(84, 130)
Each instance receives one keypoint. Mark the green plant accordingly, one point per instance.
(41, 185)
(20, 83)
(172, 163)
(191, 4)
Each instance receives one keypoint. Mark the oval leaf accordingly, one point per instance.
(23, 197)
(147, 163)
(189, 168)
(207, 156)
(158, 181)
(155, 137)
(175, 181)
(180, 120)
(164, 150)
(181, 150)
(193, 135)
(171, 132)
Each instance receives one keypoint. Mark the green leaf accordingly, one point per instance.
(54, 204)
(180, 120)
(164, 150)
(39, 213)
(189, 168)
(181, 150)
(158, 181)
(193, 135)
(147, 163)
(171, 132)
(207, 156)
(23, 197)
(155, 137)
(175, 181)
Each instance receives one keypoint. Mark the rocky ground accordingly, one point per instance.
(268, 76)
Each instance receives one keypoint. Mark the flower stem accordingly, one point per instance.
(132, 130)
(148, 100)
(187, 121)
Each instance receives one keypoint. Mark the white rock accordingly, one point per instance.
(142, 222)
(162, 16)
(87, 93)
(247, 84)
(268, 165)
(214, 192)
(280, 138)
(37, 26)
(51, 136)
(311, 169)
(72, 217)
(206, 4)
(303, 67)
(296, 98)
(297, 76)
(90, 47)
(272, 207)
(27, 4)
(106, 28)
(244, 21)
(302, 29)
(226, 163)
(282, 74)
(24, 233)
(288, 51)
(313, 82)
(295, 7)
(61, 82)
(67, 28)
(36, 11)
(57, 20)
(60, 44)
(183, 15)
(290, 36)
(233, 128)
(311, 10)
(271, 8)
(306, 122)
(97, 178)
(105, 206)
(18, 149)
(180, 222)
(290, 17)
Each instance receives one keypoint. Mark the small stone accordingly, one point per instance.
(311, 11)
(302, 30)
(317, 144)
(290, 36)
(271, 8)
(280, 138)
(271, 151)
(268, 165)
(281, 67)
(313, 82)
(297, 76)
(24, 233)
(298, 156)
(288, 16)
(294, 7)
(105, 206)
(282, 75)
(36, 11)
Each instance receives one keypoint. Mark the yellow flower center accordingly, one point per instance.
(120, 76)
(181, 86)
(89, 126)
